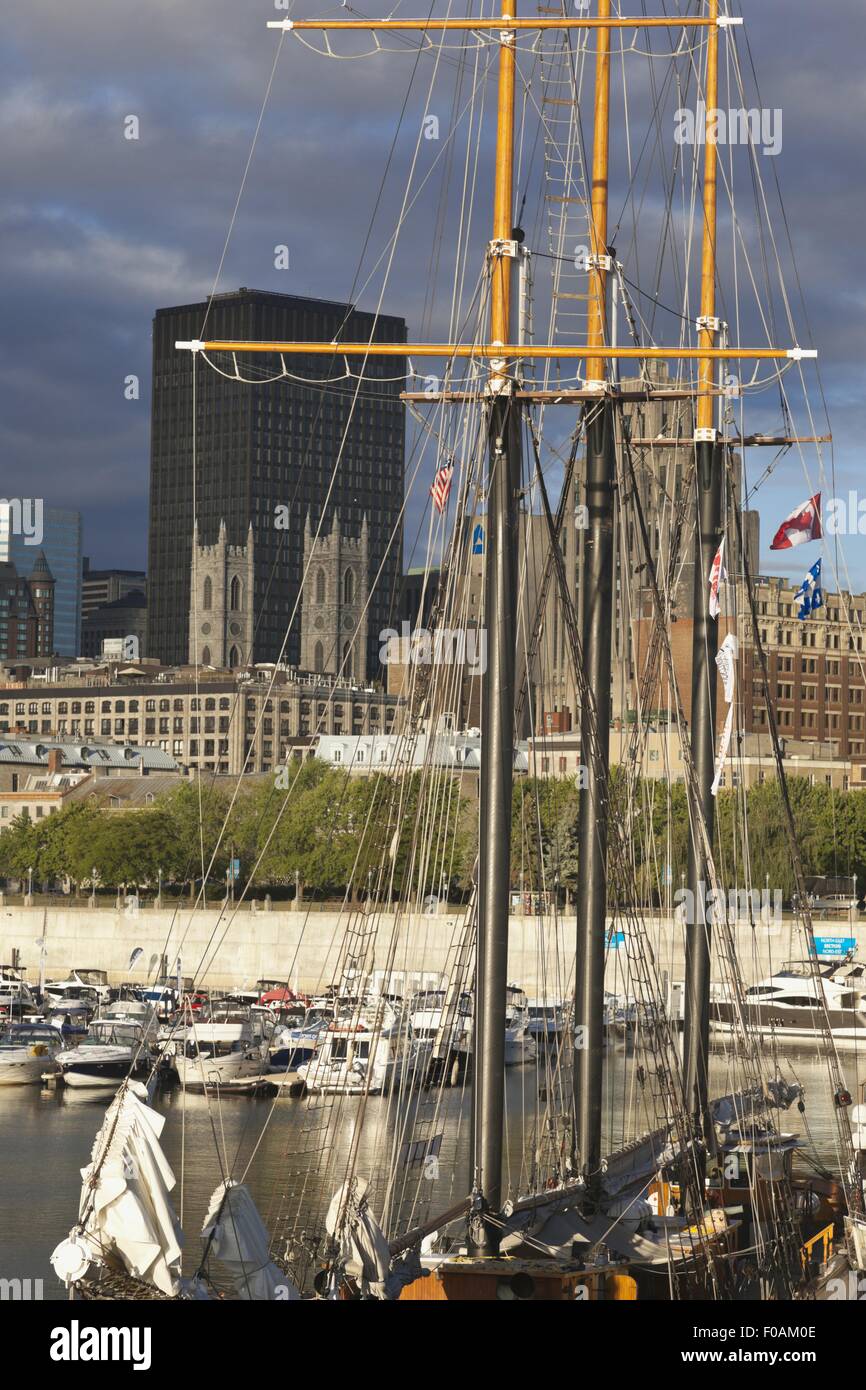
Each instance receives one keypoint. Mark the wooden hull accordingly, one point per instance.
(528, 1281)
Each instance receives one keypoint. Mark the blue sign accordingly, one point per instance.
(234, 870)
(615, 939)
(834, 947)
(478, 540)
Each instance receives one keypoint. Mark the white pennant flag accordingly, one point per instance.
(726, 661)
(718, 575)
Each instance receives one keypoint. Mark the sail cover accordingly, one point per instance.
(125, 1214)
(236, 1236)
(364, 1250)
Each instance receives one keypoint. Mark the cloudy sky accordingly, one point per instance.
(97, 231)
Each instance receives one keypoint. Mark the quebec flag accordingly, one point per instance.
(809, 592)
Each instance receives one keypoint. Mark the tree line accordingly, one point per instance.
(394, 836)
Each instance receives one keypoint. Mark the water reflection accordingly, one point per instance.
(294, 1153)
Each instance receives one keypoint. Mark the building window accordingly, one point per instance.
(207, 599)
(205, 656)
(349, 586)
(235, 595)
(318, 656)
(234, 658)
(320, 586)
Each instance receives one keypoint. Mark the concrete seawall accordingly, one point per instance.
(305, 947)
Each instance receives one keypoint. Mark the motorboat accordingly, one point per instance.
(368, 1048)
(137, 1011)
(445, 1018)
(547, 1021)
(27, 1052)
(96, 980)
(519, 1045)
(294, 1044)
(112, 1050)
(223, 1051)
(17, 1002)
(163, 998)
(71, 1017)
(792, 1003)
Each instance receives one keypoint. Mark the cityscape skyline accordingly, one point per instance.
(132, 224)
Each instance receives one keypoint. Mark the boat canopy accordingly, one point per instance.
(126, 1214)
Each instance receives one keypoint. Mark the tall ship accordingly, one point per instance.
(601, 284)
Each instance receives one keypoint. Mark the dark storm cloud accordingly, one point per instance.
(97, 231)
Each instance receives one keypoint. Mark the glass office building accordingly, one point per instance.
(272, 444)
(61, 540)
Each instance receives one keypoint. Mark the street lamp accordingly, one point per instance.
(30, 883)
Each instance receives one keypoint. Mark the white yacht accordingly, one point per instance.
(27, 1052)
(548, 1019)
(519, 1045)
(788, 1004)
(369, 1049)
(294, 1043)
(96, 980)
(17, 1002)
(137, 1011)
(112, 1050)
(221, 1052)
(446, 1020)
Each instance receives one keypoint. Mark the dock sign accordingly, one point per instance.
(834, 947)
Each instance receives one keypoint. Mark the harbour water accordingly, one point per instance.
(46, 1138)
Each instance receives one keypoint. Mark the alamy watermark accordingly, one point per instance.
(25, 517)
(845, 516)
(445, 647)
(21, 1290)
(757, 126)
(734, 905)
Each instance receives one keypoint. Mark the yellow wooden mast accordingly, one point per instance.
(502, 350)
(707, 321)
(596, 328)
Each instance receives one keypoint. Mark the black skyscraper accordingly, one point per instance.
(263, 447)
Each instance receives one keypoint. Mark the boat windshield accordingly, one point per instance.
(429, 999)
(113, 1035)
(23, 1034)
(205, 1049)
(92, 977)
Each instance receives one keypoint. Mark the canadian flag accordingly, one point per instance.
(718, 575)
(804, 524)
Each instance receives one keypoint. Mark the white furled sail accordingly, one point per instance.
(235, 1235)
(126, 1218)
(364, 1252)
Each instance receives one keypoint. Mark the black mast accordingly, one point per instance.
(705, 642)
(597, 582)
(596, 585)
(497, 710)
(709, 472)
(497, 769)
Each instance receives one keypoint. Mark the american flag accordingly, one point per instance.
(442, 486)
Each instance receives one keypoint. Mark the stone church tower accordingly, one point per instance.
(221, 616)
(334, 600)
